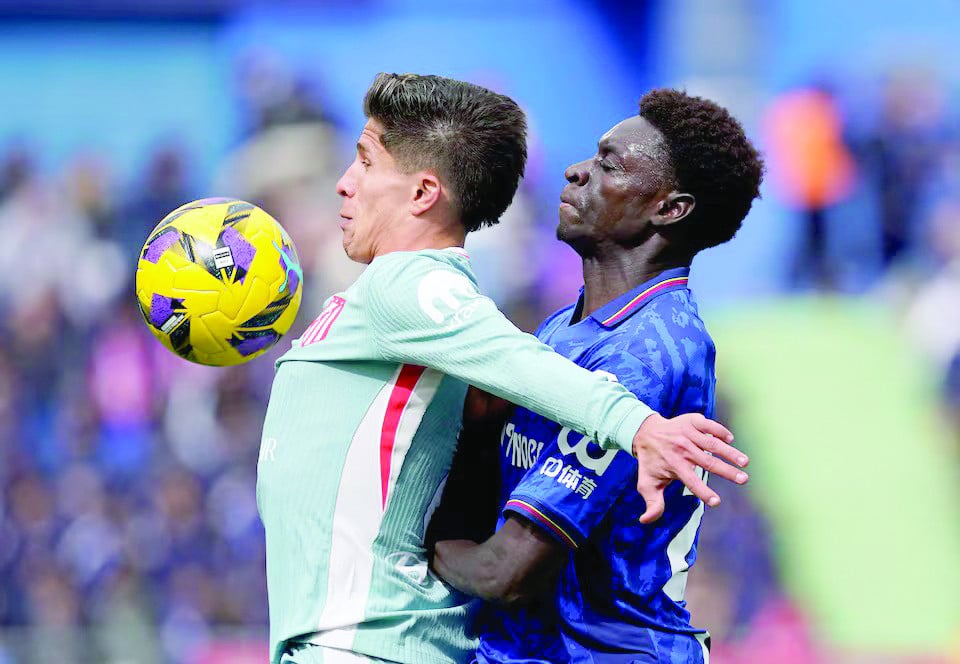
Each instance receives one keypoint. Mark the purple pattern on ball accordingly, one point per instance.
(253, 344)
(241, 250)
(294, 278)
(160, 244)
(212, 201)
(161, 308)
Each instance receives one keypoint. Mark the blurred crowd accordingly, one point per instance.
(127, 504)
(875, 185)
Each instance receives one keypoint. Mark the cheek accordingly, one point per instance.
(614, 199)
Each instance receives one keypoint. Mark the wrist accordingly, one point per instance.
(630, 427)
(645, 427)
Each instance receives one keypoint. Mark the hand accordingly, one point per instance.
(672, 449)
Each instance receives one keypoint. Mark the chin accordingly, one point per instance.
(576, 237)
(349, 252)
(567, 231)
(356, 255)
(357, 258)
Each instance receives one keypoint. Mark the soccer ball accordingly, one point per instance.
(218, 281)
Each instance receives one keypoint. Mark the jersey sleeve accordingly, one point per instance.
(424, 311)
(569, 491)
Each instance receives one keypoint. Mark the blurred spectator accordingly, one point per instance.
(162, 189)
(289, 164)
(900, 156)
(933, 309)
(812, 170)
(16, 169)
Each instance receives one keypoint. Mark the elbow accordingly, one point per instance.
(487, 577)
(501, 587)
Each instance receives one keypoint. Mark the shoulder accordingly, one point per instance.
(553, 320)
(413, 263)
(671, 321)
(666, 341)
(412, 271)
(423, 284)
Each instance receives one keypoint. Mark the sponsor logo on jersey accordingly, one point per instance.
(581, 450)
(446, 296)
(523, 452)
(268, 449)
(321, 325)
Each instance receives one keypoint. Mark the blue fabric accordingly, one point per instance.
(610, 605)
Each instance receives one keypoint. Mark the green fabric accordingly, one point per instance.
(424, 308)
(853, 466)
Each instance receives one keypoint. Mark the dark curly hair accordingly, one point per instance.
(712, 159)
(475, 139)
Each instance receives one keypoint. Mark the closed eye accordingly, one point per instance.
(605, 165)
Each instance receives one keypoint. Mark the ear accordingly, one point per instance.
(674, 207)
(427, 194)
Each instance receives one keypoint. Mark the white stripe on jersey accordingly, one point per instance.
(359, 510)
(335, 656)
(702, 640)
(680, 546)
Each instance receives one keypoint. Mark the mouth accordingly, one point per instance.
(346, 221)
(567, 201)
(568, 209)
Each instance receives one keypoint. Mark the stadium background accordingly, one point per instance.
(128, 527)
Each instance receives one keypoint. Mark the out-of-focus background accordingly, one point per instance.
(128, 523)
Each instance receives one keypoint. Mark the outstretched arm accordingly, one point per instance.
(515, 565)
(424, 312)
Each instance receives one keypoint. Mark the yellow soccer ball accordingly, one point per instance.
(218, 281)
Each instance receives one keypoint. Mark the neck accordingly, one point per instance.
(418, 234)
(607, 276)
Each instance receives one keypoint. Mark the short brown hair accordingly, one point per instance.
(475, 139)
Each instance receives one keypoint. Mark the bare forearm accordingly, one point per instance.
(466, 566)
(516, 565)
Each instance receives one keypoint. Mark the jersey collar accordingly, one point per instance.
(460, 251)
(620, 309)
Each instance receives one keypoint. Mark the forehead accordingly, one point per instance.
(370, 136)
(635, 136)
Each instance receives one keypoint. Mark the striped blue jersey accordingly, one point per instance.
(621, 593)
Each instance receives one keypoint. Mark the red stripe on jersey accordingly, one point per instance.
(399, 398)
(643, 297)
(543, 519)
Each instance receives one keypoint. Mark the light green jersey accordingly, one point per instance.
(360, 433)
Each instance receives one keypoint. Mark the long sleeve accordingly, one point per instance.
(424, 311)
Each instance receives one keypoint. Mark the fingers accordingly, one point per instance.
(713, 428)
(715, 466)
(720, 449)
(653, 497)
(699, 488)
(673, 449)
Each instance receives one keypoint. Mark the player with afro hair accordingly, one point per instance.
(712, 159)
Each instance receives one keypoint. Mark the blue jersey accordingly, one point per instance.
(620, 596)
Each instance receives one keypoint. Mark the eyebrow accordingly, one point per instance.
(607, 145)
(361, 149)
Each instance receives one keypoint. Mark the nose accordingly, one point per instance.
(346, 186)
(577, 174)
